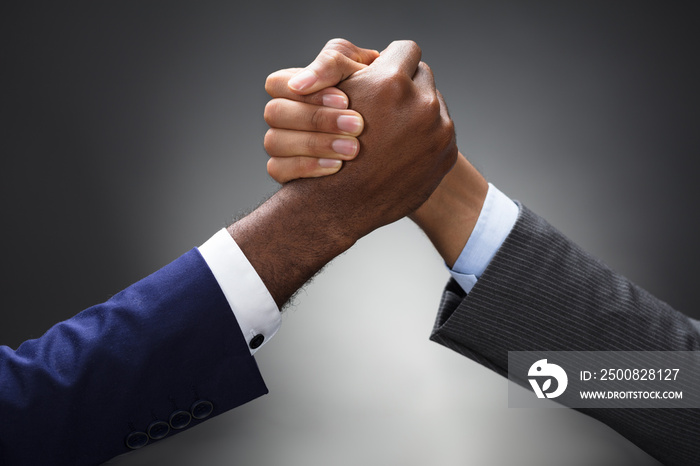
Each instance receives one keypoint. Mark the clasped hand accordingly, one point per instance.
(384, 131)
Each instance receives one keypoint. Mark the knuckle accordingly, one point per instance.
(272, 83)
(271, 111)
(447, 135)
(449, 127)
(268, 141)
(276, 82)
(393, 72)
(412, 46)
(273, 170)
(332, 56)
(341, 45)
(389, 76)
(424, 67)
(396, 84)
(338, 41)
(319, 119)
(309, 144)
(269, 83)
(409, 45)
(432, 104)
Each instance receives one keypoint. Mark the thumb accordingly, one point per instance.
(338, 60)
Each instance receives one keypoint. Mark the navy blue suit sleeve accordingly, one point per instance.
(164, 353)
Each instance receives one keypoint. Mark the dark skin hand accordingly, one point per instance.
(406, 148)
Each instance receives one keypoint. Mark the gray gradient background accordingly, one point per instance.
(133, 130)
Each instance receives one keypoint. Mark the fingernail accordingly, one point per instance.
(329, 163)
(335, 101)
(302, 80)
(349, 123)
(344, 146)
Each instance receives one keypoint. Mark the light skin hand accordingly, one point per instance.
(447, 217)
(305, 139)
(293, 153)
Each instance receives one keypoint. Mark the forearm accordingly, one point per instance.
(449, 215)
(291, 237)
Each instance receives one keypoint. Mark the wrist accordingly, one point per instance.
(448, 217)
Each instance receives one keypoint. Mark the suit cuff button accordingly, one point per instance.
(201, 409)
(180, 419)
(136, 440)
(158, 429)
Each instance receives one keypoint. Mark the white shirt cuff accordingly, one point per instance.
(496, 220)
(251, 303)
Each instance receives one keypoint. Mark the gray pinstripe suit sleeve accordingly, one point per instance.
(543, 292)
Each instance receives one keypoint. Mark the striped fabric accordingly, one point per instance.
(543, 292)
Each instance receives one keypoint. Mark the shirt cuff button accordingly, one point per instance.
(256, 341)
